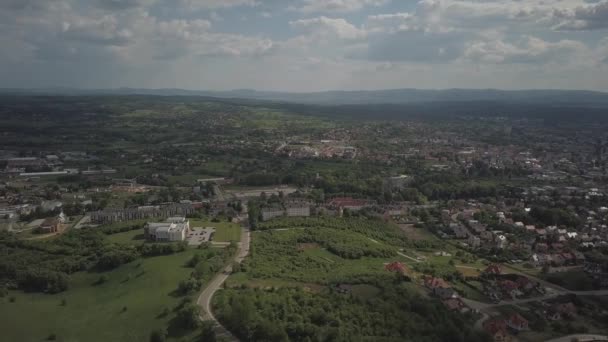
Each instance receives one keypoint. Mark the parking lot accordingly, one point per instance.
(199, 235)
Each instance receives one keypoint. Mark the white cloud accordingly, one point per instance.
(212, 4)
(324, 28)
(314, 6)
(527, 50)
(587, 17)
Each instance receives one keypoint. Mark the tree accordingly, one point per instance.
(188, 317)
(157, 336)
(207, 332)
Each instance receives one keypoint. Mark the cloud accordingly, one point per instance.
(588, 17)
(315, 6)
(211, 4)
(105, 31)
(416, 46)
(324, 28)
(529, 49)
(123, 4)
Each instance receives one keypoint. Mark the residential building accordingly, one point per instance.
(145, 212)
(50, 225)
(497, 329)
(270, 213)
(517, 322)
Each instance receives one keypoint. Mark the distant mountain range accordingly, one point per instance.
(395, 96)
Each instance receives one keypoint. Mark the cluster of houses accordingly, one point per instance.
(500, 328)
(448, 296)
(498, 286)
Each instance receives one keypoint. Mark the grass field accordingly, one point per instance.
(127, 237)
(95, 312)
(224, 231)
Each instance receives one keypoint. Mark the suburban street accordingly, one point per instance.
(204, 300)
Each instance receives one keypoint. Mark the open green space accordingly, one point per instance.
(329, 282)
(132, 236)
(224, 231)
(126, 307)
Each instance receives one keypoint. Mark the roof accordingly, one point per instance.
(453, 303)
(493, 269)
(51, 221)
(434, 283)
(494, 326)
(517, 319)
(508, 285)
(347, 202)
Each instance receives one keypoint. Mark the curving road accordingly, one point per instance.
(204, 300)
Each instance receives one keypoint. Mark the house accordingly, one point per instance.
(493, 269)
(172, 230)
(557, 260)
(517, 322)
(568, 258)
(541, 247)
(509, 288)
(460, 231)
(501, 241)
(49, 225)
(579, 257)
(487, 235)
(566, 310)
(525, 284)
(439, 287)
(497, 329)
(474, 241)
(455, 304)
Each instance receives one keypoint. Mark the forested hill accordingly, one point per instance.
(394, 96)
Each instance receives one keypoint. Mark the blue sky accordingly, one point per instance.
(304, 45)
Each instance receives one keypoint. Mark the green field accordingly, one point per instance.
(97, 312)
(224, 231)
(131, 236)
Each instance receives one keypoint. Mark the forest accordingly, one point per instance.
(292, 314)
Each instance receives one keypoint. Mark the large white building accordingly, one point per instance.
(172, 230)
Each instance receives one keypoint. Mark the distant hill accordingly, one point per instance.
(395, 96)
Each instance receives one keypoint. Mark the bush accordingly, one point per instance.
(188, 317)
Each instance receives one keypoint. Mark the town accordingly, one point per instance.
(499, 225)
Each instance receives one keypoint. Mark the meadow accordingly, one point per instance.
(127, 305)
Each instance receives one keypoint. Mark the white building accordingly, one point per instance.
(297, 209)
(174, 229)
(270, 213)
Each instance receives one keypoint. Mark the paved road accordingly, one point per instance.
(204, 300)
(580, 338)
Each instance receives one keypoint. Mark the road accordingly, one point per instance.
(83, 221)
(204, 300)
(580, 338)
(408, 257)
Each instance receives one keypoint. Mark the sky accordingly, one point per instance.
(304, 45)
